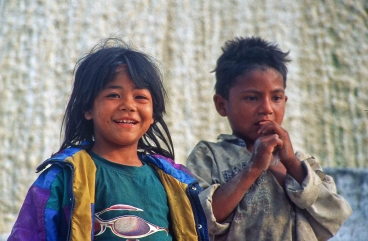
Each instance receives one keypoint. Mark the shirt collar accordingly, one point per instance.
(232, 139)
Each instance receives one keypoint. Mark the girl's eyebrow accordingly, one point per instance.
(120, 87)
(114, 87)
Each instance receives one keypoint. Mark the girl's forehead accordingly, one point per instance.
(122, 68)
(122, 80)
(139, 82)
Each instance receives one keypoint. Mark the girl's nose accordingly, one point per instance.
(127, 104)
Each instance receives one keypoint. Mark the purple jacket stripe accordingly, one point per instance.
(32, 214)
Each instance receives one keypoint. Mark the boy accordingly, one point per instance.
(256, 188)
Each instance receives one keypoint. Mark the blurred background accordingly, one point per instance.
(327, 110)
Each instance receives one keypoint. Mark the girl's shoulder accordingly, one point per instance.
(64, 158)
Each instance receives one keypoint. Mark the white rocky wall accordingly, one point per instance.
(40, 41)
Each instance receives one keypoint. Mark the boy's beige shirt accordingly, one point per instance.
(311, 211)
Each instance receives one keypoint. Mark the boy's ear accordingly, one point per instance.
(88, 115)
(220, 104)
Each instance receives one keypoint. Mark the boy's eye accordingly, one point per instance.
(277, 98)
(251, 98)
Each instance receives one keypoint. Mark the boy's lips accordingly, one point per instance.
(258, 123)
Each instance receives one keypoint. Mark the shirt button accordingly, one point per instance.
(194, 188)
(199, 226)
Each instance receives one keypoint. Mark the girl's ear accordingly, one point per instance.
(220, 104)
(88, 115)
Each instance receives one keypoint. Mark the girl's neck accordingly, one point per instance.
(122, 155)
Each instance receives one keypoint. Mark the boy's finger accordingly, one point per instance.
(271, 129)
(267, 129)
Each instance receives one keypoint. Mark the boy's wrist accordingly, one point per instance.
(256, 170)
(290, 163)
(295, 168)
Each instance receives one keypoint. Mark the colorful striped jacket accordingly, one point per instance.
(73, 219)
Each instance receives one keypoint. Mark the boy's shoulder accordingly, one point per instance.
(227, 147)
(224, 141)
(169, 167)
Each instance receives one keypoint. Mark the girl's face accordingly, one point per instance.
(121, 113)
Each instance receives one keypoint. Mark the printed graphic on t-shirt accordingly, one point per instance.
(126, 226)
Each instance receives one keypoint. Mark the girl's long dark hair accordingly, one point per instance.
(93, 72)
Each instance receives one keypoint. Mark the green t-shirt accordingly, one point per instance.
(130, 203)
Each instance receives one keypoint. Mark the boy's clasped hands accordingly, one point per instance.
(273, 150)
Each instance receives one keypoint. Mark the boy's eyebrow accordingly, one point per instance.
(257, 91)
(279, 90)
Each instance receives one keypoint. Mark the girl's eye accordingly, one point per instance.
(142, 94)
(141, 97)
(113, 95)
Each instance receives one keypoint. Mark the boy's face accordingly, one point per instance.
(255, 97)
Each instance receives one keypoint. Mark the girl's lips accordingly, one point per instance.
(126, 121)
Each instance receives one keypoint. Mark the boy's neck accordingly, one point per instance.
(248, 143)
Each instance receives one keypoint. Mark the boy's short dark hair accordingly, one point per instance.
(243, 55)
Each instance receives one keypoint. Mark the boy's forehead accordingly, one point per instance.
(248, 73)
(260, 79)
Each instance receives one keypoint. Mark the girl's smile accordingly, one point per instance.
(129, 122)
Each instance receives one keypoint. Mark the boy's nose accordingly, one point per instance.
(265, 108)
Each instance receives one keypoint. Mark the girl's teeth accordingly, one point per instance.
(126, 122)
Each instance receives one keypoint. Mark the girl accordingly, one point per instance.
(113, 177)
